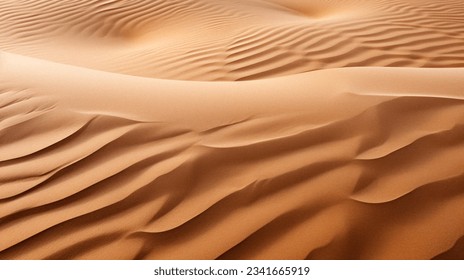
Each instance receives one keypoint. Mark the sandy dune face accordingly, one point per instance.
(234, 40)
(347, 142)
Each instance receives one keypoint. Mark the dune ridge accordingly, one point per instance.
(295, 167)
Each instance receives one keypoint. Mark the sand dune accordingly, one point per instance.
(110, 150)
(242, 40)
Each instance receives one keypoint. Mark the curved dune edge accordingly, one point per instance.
(235, 40)
(353, 163)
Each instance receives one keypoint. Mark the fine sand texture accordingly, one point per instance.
(218, 129)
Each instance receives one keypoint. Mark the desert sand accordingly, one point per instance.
(248, 129)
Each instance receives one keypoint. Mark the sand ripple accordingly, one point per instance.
(238, 40)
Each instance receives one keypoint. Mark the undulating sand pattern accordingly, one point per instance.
(218, 129)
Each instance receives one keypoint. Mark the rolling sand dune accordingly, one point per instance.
(110, 150)
(234, 40)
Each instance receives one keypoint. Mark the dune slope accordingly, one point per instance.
(216, 129)
(234, 40)
(278, 168)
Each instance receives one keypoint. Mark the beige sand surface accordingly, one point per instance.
(126, 133)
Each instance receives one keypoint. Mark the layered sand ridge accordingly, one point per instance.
(101, 157)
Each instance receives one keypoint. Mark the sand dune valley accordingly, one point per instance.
(219, 129)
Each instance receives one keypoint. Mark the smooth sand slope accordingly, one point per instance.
(101, 157)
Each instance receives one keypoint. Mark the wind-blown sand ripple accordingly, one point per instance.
(238, 40)
(353, 163)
